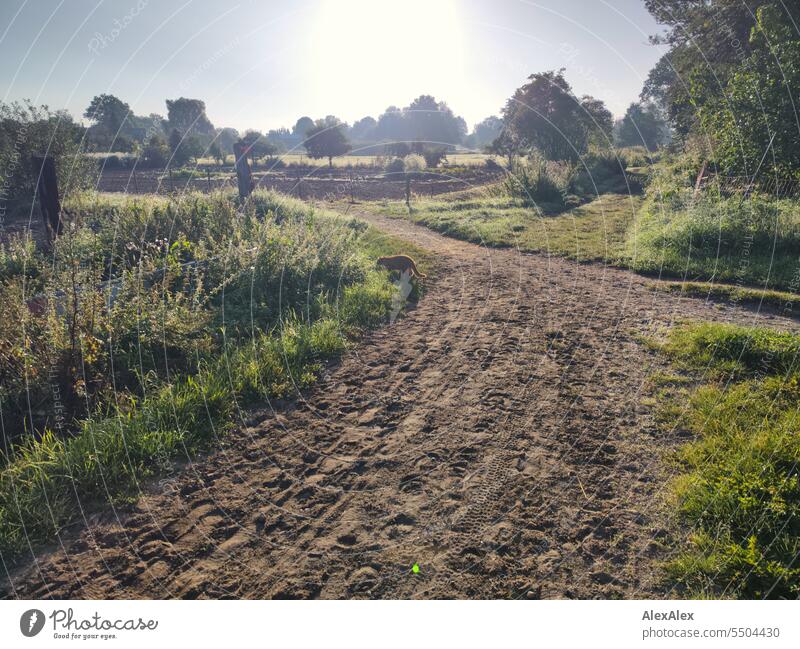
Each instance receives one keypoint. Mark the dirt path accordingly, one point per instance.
(494, 436)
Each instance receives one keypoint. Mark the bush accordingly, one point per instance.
(414, 164)
(434, 156)
(394, 166)
(537, 181)
(27, 130)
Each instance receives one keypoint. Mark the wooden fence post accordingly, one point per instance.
(243, 175)
(44, 169)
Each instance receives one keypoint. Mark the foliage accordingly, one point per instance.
(424, 120)
(758, 103)
(536, 181)
(326, 139)
(484, 133)
(413, 164)
(545, 115)
(188, 117)
(27, 130)
(709, 42)
(711, 237)
(642, 125)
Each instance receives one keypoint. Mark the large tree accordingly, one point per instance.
(642, 125)
(326, 139)
(433, 122)
(108, 112)
(188, 116)
(257, 145)
(545, 115)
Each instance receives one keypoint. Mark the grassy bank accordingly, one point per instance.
(594, 231)
(782, 301)
(161, 318)
(712, 237)
(737, 492)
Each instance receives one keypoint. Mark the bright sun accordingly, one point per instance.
(364, 53)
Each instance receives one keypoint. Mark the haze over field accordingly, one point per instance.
(262, 64)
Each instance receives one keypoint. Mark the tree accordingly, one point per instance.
(215, 151)
(545, 115)
(156, 153)
(108, 112)
(326, 139)
(759, 102)
(432, 121)
(423, 120)
(364, 128)
(257, 146)
(485, 133)
(184, 148)
(708, 39)
(188, 116)
(226, 137)
(642, 125)
(302, 126)
(508, 145)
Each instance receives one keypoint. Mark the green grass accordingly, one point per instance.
(711, 237)
(738, 492)
(594, 231)
(781, 300)
(320, 265)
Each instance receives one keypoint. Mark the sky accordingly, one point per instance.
(262, 64)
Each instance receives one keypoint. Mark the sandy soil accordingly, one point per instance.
(494, 436)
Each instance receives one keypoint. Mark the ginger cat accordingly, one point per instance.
(401, 263)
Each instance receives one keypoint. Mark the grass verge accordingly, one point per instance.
(780, 300)
(738, 488)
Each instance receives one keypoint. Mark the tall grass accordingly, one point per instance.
(714, 238)
(739, 489)
(214, 307)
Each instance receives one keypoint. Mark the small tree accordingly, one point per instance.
(216, 152)
(155, 153)
(183, 149)
(326, 139)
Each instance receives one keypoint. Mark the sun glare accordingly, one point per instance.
(362, 52)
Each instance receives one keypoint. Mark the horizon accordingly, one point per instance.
(281, 68)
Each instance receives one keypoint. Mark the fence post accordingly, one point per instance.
(47, 188)
(243, 175)
(208, 179)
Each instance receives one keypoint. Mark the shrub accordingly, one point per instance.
(394, 166)
(536, 181)
(414, 164)
(434, 156)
